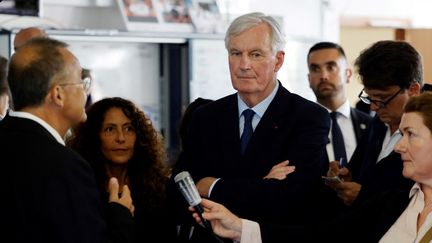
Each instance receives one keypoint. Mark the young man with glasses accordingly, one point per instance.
(391, 72)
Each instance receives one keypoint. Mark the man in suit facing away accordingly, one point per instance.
(328, 76)
(49, 192)
(284, 127)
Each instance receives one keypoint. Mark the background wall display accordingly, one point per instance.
(155, 15)
(21, 7)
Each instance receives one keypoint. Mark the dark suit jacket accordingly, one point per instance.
(367, 223)
(383, 197)
(49, 192)
(292, 128)
(375, 177)
(360, 122)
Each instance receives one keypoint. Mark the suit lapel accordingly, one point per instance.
(375, 140)
(356, 125)
(228, 126)
(275, 118)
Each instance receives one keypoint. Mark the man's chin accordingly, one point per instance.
(324, 94)
(384, 118)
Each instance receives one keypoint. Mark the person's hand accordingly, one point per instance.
(224, 223)
(336, 171)
(345, 174)
(280, 171)
(347, 191)
(333, 168)
(124, 199)
(203, 186)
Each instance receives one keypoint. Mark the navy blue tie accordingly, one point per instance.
(247, 130)
(337, 138)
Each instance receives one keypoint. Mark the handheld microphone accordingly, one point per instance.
(190, 193)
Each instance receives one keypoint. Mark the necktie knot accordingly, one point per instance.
(334, 115)
(247, 129)
(248, 115)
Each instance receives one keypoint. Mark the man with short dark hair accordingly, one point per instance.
(328, 76)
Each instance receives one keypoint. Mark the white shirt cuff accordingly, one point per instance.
(212, 185)
(251, 232)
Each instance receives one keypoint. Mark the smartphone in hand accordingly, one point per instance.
(332, 179)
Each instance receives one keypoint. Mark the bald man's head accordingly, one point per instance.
(32, 68)
(27, 34)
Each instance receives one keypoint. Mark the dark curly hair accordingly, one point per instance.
(147, 172)
(388, 63)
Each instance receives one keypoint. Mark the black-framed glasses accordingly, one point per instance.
(86, 84)
(379, 103)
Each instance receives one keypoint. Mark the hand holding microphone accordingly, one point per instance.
(190, 193)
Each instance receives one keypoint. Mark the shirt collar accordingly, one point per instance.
(50, 129)
(398, 132)
(344, 109)
(414, 190)
(261, 107)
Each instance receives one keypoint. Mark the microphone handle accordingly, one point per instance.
(206, 223)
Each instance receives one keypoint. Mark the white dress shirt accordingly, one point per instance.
(259, 109)
(50, 129)
(251, 232)
(389, 142)
(405, 228)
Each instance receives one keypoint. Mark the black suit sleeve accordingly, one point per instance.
(367, 223)
(84, 221)
(120, 224)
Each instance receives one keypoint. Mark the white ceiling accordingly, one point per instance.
(417, 12)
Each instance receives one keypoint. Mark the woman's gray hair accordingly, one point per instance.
(247, 21)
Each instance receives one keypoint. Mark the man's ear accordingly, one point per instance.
(56, 95)
(348, 74)
(414, 89)
(309, 79)
(280, 55)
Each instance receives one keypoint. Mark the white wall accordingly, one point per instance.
(416, 11)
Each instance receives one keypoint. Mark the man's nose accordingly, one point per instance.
(324, 74)
(244, 62)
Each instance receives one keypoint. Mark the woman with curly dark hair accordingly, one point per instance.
(119, 140)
